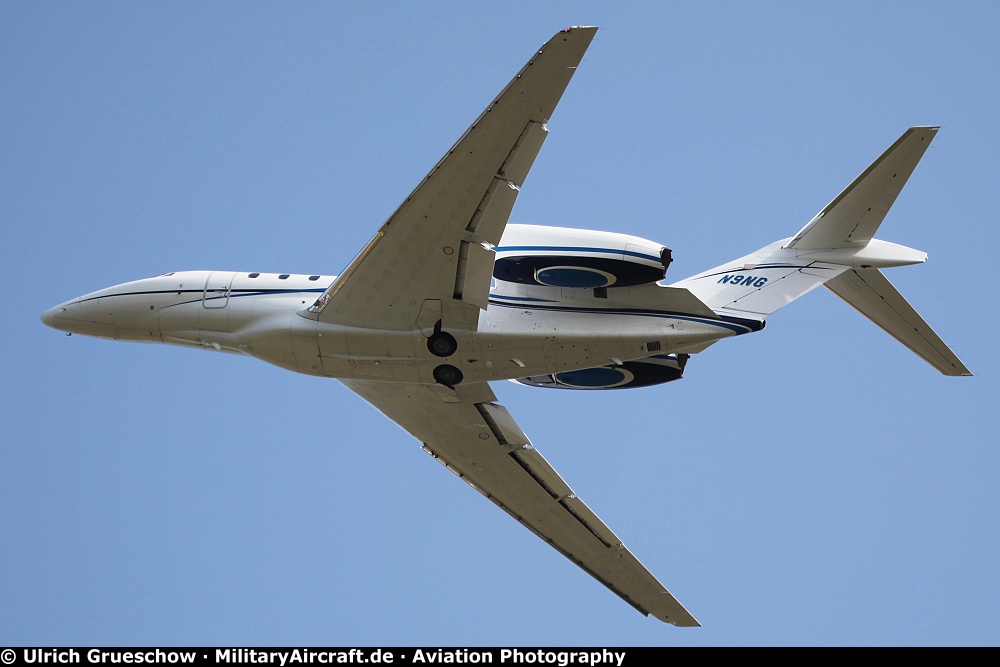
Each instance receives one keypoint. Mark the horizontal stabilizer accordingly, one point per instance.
(873, 296)
(851, 219)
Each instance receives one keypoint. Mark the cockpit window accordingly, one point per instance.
(253, 275)
(167, 274)
(283, 276)
(313, 277)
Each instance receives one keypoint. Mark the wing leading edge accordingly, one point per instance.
(438, 244)
(479, 441)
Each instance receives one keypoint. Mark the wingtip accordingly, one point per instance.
(678, 620)
(588, 29)
(954, 367)
(684, 623)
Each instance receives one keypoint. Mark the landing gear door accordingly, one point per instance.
(217, 288)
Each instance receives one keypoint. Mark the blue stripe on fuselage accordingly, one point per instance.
(725, 323)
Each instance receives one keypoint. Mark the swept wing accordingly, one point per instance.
(438, 244)
(479, 441)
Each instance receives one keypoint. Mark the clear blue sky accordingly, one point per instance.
(815, 483)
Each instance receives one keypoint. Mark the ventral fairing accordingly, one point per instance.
(448, 297)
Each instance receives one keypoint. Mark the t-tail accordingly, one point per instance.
(837, 249)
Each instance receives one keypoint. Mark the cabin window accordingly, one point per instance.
(283, 276)
(253, 275)
(313, 277)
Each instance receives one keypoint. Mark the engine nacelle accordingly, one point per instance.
(561, 257)
(657, 369)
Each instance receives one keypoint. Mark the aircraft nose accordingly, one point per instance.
(81, 317)
(51, 317)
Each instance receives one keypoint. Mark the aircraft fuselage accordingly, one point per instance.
(264, 316)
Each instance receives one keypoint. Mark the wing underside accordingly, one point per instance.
(438, 245)
(477, 439)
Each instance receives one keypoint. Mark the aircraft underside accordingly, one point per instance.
(447, 297)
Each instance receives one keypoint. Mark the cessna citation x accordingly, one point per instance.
(448, 297)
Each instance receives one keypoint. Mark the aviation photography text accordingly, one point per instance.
(284, 657)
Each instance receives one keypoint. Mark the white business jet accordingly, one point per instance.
(448, 297)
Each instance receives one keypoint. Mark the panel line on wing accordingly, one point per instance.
(494, 209)
(499, 188)
(548, 478)
(535, 465)
(579, 510)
